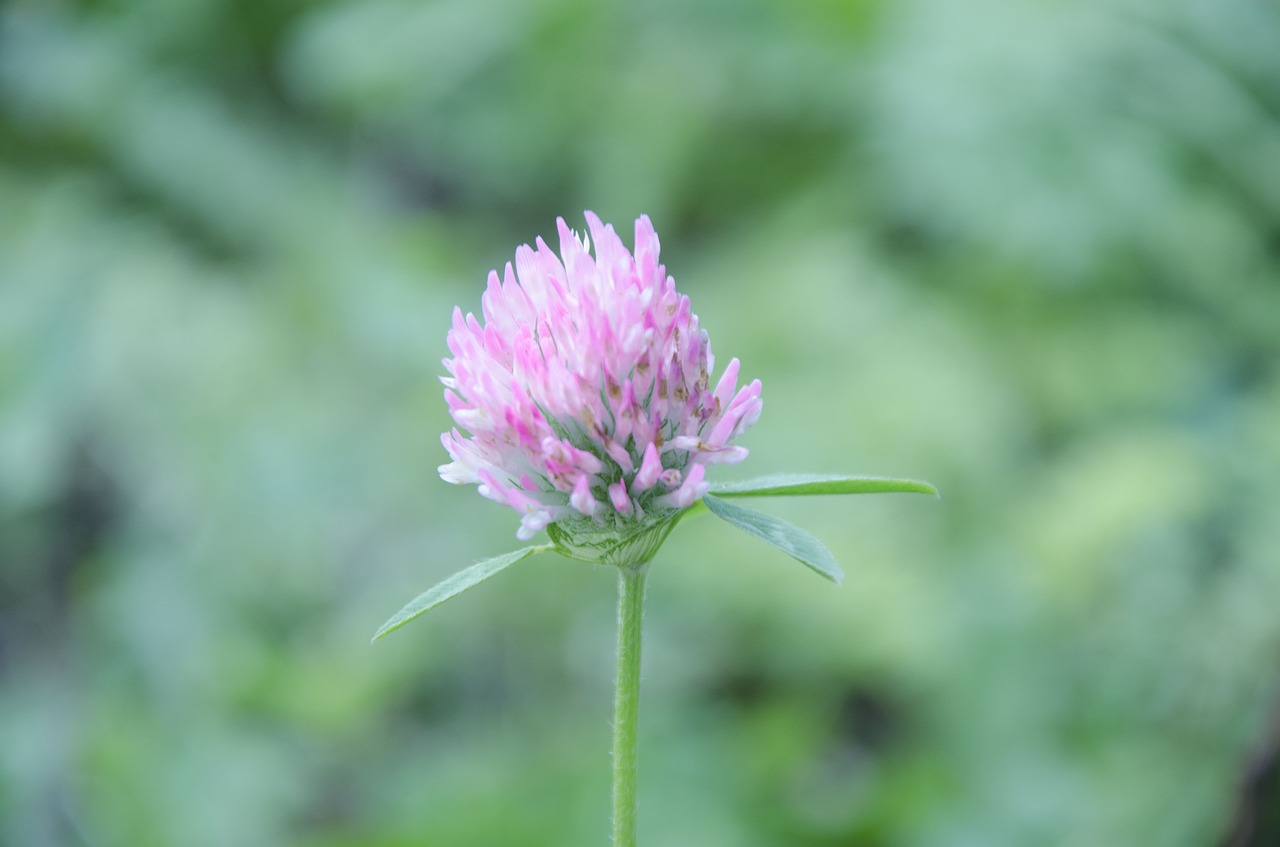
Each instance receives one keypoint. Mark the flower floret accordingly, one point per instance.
(585, 391)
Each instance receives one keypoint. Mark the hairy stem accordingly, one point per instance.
(626, 706)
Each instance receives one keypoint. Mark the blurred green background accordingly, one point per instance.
(1027, 250)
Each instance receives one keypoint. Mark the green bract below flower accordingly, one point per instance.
(584, 401)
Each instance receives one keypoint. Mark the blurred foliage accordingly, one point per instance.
(1028, 251)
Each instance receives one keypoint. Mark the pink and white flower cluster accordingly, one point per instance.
(586, 390)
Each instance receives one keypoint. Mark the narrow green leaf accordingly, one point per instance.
(455, 585)
(786, 537)
(790, 485)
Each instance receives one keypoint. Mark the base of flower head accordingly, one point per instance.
(629, 545)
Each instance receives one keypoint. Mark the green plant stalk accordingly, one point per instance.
(626, 704)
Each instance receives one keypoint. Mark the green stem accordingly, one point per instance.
(626, 705)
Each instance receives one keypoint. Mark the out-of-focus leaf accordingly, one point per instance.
(791, 485)
(791, 539)
(455, 585)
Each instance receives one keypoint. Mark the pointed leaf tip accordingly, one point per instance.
(787, 537)
(793, 485)
(455, 585)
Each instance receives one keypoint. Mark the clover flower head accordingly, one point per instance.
(584, 397)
